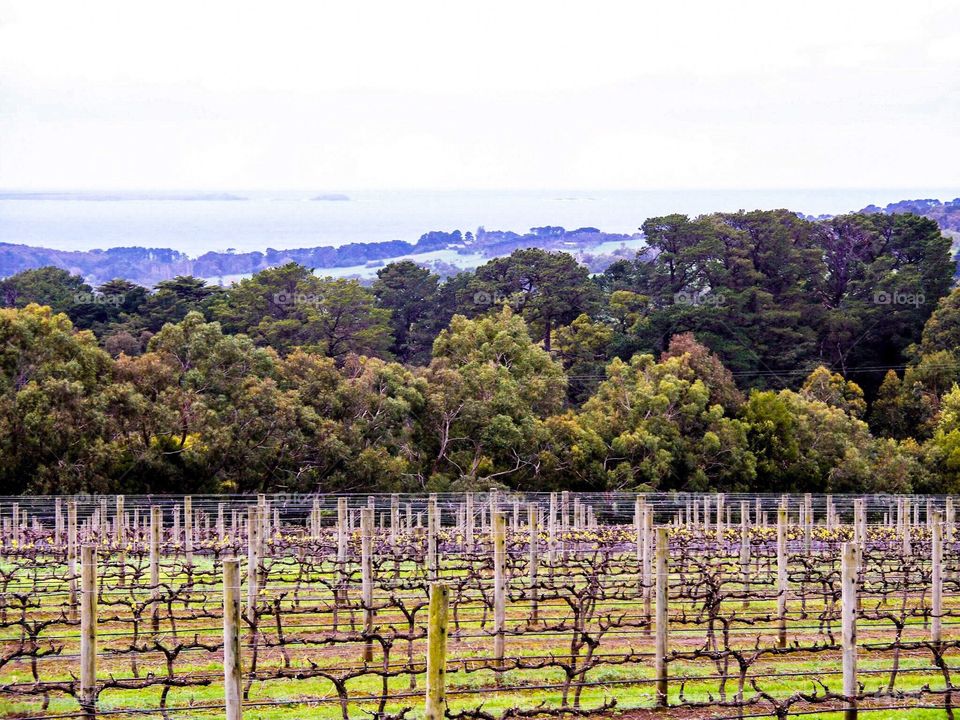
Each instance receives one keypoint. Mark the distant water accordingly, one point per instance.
(218, 221)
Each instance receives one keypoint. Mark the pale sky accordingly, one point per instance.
(521, 94)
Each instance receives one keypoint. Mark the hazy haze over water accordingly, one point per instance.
(291, 219)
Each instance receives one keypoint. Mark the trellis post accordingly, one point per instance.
(72, 555)
(88, 631)
(231, 639)
(936, 592)
(782, 577)
(156, 531)
(253, 561)
(848, 613)
(366, 578)
(745, 550)
(436, 701)
(533, 515)
(662, 603)
(499, 588)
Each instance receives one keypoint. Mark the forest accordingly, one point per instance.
(739, 351)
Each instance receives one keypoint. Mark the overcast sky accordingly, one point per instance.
(520, 94)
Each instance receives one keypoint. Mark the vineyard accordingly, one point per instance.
(481, 606)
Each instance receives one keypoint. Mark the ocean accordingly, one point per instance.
(70, 220)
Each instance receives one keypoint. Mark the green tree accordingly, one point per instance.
(547, 289)
(171, 300)
(55, 398)
(408, 291)
(489, 386)
(289, 307)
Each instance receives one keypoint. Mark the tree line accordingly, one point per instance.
(738, 351)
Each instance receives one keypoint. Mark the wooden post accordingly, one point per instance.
(638, 532)
(848, 612)
(156, 532)
(948, 510)
(343, 518)
(552, 532)
(436, 705)
(564, 513)
(468, 523)
(253, 561)
(188, 529)
(231, 639)
(366, 574)
(72, 555)
(88, 631)
(906, 527)
(647, 522)
(499, 521)
(57, 523)
(663, 606)
(394, 521)
(118, 529)
(432, 537)
(782, 577)
(745, 550)
(533, 515)
(936, 592)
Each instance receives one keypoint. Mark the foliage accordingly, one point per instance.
(739, 351)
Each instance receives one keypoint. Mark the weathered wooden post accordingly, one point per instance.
(782, 577)
(88, 631)
(231, 639)
(936, 592)
(647, 521)
(72, 555)
(499, 522)
(948, 519)
(188, 530)
(848, 612)
(366, 578)
(907, 527)
(468, 523)
(638, 528)
(57, 523)
(436, 704)
(432, 537)
(118, 527)
(253, 562)
(564, 513)
(745, 550)
(533, 516)
(156, 532)
(663, 600)
(720, 501)
(552, 532)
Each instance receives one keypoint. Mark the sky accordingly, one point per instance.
(460, 95)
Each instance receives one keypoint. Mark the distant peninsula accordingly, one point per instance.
(445, 253)
(331, 197)
(148, 266)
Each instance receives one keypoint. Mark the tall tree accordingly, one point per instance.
(408, 291)
(547, 289)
